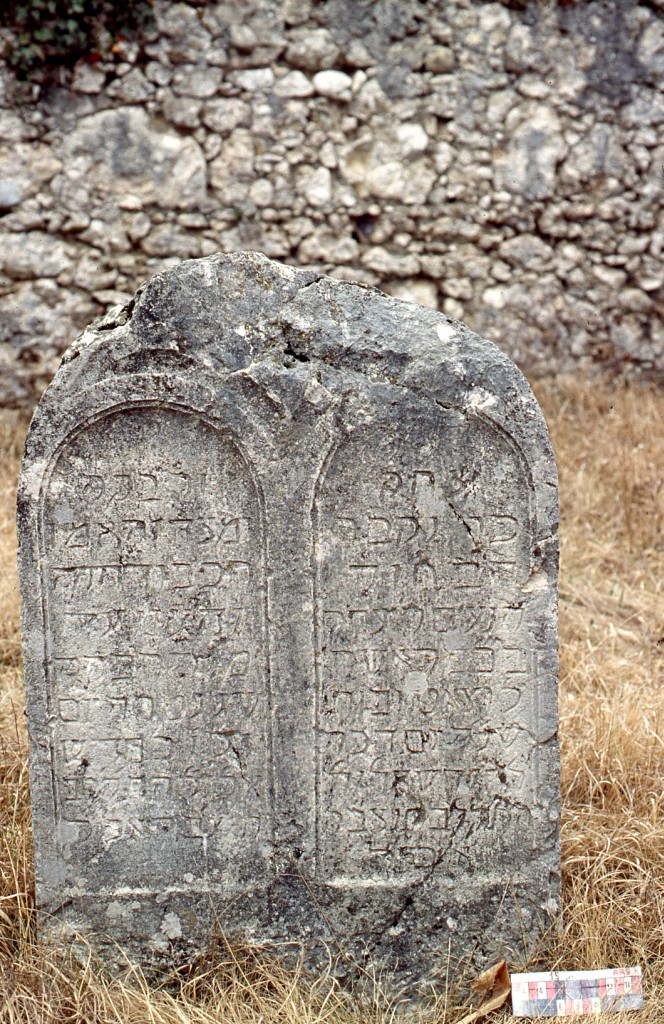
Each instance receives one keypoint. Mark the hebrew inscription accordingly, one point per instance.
(288, 564)
(425, 672)
(154, 571)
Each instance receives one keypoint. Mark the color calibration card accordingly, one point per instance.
(565, 993)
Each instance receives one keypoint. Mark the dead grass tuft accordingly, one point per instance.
(13, 427)
(609, 442)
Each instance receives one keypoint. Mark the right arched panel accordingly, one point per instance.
(427, 651)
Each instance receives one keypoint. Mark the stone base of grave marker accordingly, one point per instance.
(288, 555)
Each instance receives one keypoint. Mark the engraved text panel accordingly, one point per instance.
(155, 611)
(426, 671)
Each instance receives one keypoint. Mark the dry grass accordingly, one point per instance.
(610, 450)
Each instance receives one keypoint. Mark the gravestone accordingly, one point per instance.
(288, 556)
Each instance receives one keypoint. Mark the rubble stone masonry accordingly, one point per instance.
(502, 165)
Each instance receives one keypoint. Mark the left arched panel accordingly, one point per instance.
(151, 561)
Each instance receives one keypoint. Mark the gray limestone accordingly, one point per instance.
(288, 557)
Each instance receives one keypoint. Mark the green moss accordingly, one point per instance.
(260, 277)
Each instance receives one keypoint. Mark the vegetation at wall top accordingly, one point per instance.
(43, 34)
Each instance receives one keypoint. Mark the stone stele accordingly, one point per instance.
(288, 558)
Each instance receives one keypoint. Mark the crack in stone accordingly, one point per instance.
(395, 920)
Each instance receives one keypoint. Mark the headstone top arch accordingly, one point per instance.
(288, 565)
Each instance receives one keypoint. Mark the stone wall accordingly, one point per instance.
(504, 165)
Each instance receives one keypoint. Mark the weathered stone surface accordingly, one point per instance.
(88, 79)
(372, 167)
(120, 151)
(312, 49)
(288, 560)
(28, 165)
(440, 60)
(294, 85)
(335, 84)
(528, 164)
(34, 255)
(10, 195)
